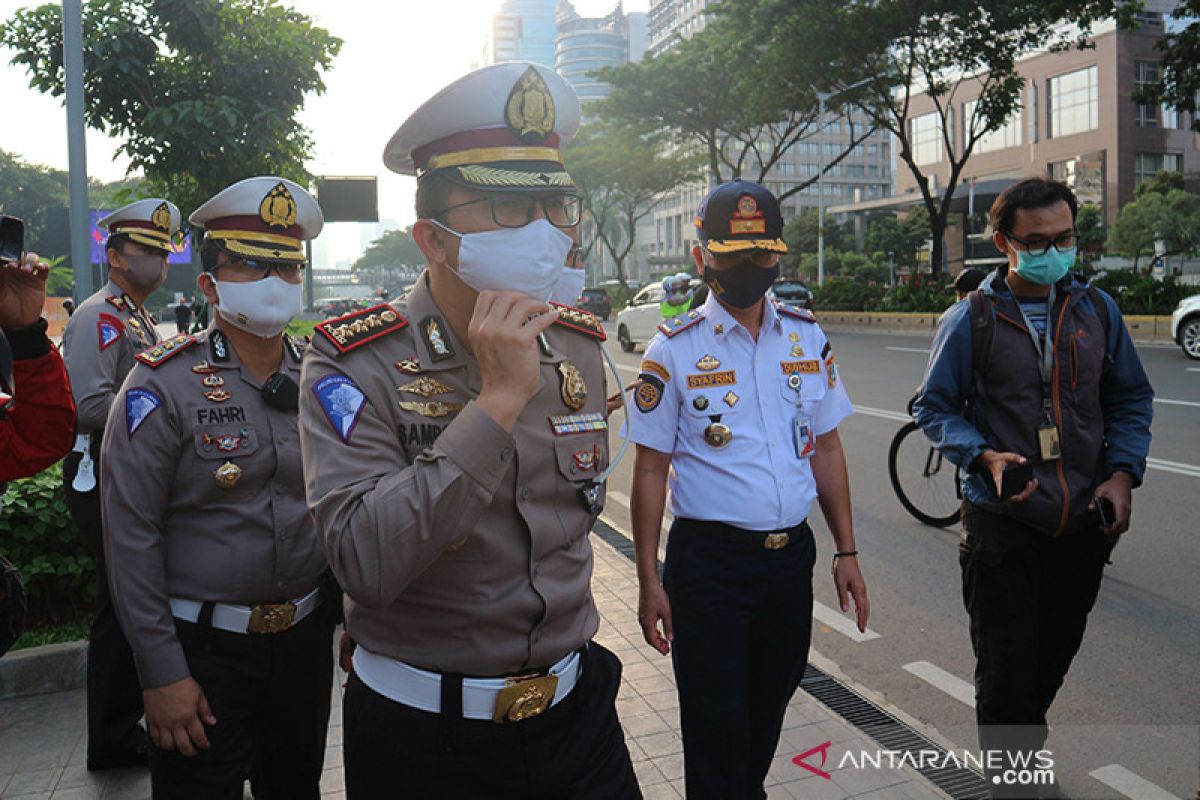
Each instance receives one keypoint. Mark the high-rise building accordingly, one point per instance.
(523, 30)
(672, 20)
(586, 45)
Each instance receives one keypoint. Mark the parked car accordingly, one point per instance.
(794, 293)
(1185, 326)
(638, 322)
(337, 306)
(595, 300)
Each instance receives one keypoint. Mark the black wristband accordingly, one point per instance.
(28, 343)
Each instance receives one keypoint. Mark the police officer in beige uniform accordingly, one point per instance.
(214, 562)
(99, 344)
(453, 446)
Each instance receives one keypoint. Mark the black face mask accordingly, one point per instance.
(743, 285)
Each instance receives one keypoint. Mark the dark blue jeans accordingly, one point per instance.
(742, 618)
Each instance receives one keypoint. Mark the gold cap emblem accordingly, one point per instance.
(161, 218)
(530, 108)
(278, 208)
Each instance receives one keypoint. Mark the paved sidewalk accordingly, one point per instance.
(42, 738)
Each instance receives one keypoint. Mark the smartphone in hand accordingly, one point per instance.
(1105, 512)
(1014, 478)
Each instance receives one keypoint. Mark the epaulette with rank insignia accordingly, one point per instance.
(680, 323)
(579, 320)
(359, 327)
(793, 311)
(164, 351)
(117, 301)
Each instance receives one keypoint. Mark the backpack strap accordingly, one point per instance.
(1100, 306)
(983, 328)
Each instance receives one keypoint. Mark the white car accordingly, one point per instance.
(1185, 326)
(638, 322)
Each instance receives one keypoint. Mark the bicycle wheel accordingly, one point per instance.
(924, 481)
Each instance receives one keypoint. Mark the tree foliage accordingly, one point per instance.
(394, 249)
(1171, 216)
(718, 92)
(623, 171)
(202, 92)
(954, 50)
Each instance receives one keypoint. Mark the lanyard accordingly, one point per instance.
(1045, 350)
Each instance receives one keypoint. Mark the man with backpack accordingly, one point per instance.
(1053, 442)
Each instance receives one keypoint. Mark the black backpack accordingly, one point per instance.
(983, 323)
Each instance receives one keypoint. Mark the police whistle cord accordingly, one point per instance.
(889, 732)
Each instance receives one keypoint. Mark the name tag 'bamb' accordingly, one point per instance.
(727, 378)
(810, 367)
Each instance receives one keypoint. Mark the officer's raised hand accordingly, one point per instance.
(176, 715)
(503, 334)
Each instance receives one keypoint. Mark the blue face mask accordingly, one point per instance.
(1050, 267)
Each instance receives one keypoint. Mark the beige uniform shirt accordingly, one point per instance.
(99, 343)
(173, 526)
(460, 547)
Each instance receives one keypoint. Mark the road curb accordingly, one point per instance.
(40, 670)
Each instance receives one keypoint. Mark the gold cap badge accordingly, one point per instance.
(530, 107)
(161, 218)
(278, 208)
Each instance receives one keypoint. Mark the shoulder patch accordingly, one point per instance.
(359, 327)
(140, 403)
(793, 311)
(163, 351)
(117, 301)
(579, 320)
(342, 401)
(680, 323)
(649, 392)
(656, 368)
(109, 329)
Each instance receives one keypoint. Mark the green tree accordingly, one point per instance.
(952, 50)
(202, 92)
(1090, 224)
(1162, 183)
(801, 237)
(623, 172)
(900, 236)
(717, 92)
(1179, 65)
(1172, 217)
(394, 249)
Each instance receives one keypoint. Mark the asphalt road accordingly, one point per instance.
(1130, 709)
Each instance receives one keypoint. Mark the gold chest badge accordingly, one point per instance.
(573, 388)
(227, 475)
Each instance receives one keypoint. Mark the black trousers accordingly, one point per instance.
(270, 694)
(1028, 595)
(742, 618)
(573, 751)
(114, 696)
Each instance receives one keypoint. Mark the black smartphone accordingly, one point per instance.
(1013, 479)
(12, 238)
(1105, 512)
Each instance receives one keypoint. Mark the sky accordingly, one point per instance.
(395, 55)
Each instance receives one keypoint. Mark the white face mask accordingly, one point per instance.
(529, 259)
(263, 307)
(569, 286)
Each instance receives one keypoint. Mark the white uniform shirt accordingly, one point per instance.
(708, 365)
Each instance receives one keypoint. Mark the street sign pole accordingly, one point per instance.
(81, 260)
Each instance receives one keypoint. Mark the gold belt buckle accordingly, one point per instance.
(775, 541)
(272, 617)
(525, 698)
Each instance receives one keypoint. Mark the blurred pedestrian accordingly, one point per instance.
(183, 315)
(966, 282)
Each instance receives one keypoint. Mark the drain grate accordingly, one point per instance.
(890, 733)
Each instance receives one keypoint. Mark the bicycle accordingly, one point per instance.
(931, 494)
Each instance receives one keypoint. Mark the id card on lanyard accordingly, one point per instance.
(1049, 443)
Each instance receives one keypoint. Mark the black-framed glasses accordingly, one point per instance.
(287, 270)
(516, 209)
(1039, 247)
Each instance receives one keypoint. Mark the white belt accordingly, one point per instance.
(265, 618)
(421, 689)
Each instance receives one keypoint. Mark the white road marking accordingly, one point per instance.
(1193, 369)
(1190, 470)
(841, 623)
(1177, 402)
(937, 677)
(620, 498)
(1130, 783)
(924, 350)
(895, 416)
(628, 369)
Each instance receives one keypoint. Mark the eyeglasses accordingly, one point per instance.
(288, 271)
(1039, 247)
(761, 258)
(513, 210)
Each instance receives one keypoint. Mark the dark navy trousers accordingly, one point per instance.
(742, 617)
